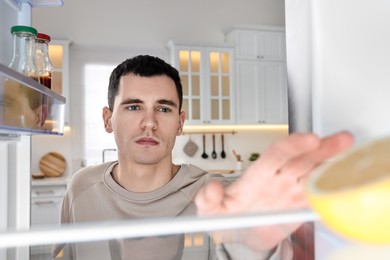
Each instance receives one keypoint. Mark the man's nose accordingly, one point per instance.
(149, 121)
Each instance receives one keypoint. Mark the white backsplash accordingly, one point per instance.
(244, 143)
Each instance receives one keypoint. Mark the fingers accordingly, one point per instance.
(334, 144)
(283, 150)
(329, 146)
(209, 199)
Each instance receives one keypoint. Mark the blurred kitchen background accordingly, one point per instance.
(100, 36)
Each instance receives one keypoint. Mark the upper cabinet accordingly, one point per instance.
(261, 81)
(259, 44)
(207, 75)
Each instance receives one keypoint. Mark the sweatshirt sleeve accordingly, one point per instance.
(237, 251)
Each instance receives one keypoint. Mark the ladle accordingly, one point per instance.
(214, 153)
(223, 154)
(204, 154)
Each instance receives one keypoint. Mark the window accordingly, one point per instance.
(96, 138)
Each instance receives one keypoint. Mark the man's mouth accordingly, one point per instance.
(147, 141)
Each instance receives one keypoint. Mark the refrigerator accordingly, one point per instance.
(337, 65)
(15, 142)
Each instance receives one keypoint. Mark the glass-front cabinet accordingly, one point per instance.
(207, 75)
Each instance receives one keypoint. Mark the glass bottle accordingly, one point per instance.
(23, 59)
(42, 59)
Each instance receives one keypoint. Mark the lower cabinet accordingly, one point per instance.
(46, 201)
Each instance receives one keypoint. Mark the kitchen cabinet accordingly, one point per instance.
(264, 43)
(261, 92)
(46, 204)
(46, 201)
(207, 75)
(261, 80)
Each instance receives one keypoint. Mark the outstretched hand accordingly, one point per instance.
(275, 182)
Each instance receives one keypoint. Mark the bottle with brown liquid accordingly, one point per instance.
(42, 59)
(23, 59)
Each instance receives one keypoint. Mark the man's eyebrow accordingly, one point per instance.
(131, 101)
(139, 101)
(167, 102)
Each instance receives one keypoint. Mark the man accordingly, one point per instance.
(144, 114)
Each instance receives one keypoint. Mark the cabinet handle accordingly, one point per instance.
(44, 202)
(44, 192)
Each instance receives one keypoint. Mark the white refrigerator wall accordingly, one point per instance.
(10, 15)
(351, 63)
(14, 155)
(338, 67)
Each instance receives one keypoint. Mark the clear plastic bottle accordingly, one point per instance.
(42, 59)
(23, 59)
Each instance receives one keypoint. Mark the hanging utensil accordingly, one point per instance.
(190, 148)
(214, 153)
(204, 154)
(223, 154)
(238, 157)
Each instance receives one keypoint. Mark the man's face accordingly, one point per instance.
(145, 119)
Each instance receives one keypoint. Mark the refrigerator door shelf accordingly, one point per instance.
(27, 107)
(41, 3)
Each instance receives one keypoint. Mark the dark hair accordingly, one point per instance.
(144, 66)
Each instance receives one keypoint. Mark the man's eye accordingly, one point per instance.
(165, 110)
(133, 107)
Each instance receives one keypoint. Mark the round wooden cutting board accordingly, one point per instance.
(52, 164)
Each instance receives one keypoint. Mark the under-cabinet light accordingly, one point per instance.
(232, 128)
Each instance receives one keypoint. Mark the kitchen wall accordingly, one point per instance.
(244, 143)
(142, 27)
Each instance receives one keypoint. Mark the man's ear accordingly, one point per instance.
(107, 113)
(182, 118)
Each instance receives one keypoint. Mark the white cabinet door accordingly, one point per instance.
(273, 78)
(262, 45)
(207, 75)
(261, 92)
(248, 90)
(46, 204)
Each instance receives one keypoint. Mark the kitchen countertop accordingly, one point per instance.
(62, 180)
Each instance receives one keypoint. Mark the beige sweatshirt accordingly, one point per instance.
(93, 195)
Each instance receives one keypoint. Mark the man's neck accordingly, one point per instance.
(143, 178)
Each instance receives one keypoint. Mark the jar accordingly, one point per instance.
(42, 59)
(23, 59)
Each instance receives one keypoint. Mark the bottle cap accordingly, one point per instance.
(43, 36)
(23, 28)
